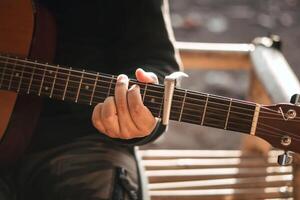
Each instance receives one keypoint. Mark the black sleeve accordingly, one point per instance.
(145, 40)
(146, 43)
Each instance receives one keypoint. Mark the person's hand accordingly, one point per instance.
(124, 116)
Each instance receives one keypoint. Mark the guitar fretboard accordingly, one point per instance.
(88, 87)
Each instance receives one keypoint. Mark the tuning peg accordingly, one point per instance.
(295, 99)
(284, 159)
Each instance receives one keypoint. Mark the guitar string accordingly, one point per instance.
(93, 74)
(199, 100)
(211, 113)
(139, 83)
(196, 99)
(214, 119)
(186, 108)
(220, 103)
(173, 106)
(157, 103)
(113, 84)
(110, 76)
(267, 133)
(155, 109)
(210, 118)
(276, 129)
(101, 74)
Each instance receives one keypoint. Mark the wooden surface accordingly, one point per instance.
(215, 56)
(214, 61)
(188, 174)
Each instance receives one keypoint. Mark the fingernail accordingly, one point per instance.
(122, 78)
(141, 69)
(134, 87)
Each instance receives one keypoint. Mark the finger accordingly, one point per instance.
(146, 77)
(109, 118)
(141, 116)
(127, 126)
(96, 118)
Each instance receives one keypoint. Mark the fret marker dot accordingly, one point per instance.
(152, 100)
(87, 87)
(50, 71)
(17, 75)
(46, 88)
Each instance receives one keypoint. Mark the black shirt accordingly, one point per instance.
(106, 36)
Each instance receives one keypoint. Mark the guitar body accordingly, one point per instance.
(24, 32)
(16, 19)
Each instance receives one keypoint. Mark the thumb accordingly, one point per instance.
(146, 77)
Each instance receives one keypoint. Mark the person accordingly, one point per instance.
(79, 152)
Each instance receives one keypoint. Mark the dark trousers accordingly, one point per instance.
(86, 169)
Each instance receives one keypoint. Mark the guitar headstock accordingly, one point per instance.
(280, 126)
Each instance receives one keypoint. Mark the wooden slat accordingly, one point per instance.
(156, 176)
(208, 163)
(217, 174)
(166, 154)
(216, 56)
(222, 194)
(250, 182)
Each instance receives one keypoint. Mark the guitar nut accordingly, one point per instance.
(286, 140)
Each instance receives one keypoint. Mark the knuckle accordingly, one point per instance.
(109, 117)
(108, 100)
(122, 106)
(111, 133)
(126, 133)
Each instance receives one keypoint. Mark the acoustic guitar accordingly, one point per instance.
(277, 124)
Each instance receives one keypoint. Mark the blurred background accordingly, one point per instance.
(227, 21)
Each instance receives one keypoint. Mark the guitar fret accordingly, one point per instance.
(67, 83)
(20, 82)
(228, 114)
(204, 111)
(12, 75)
(52, 88)
(95, 84)
(3, 71)
(16, 77)
(73, 89)
(240, 119)
(183, 102)
(145, 91)
(31, 78)
(111, 81)
(79, 87)
(87, 87)
(42, 82)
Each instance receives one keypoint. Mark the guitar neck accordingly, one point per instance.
(87, 87)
